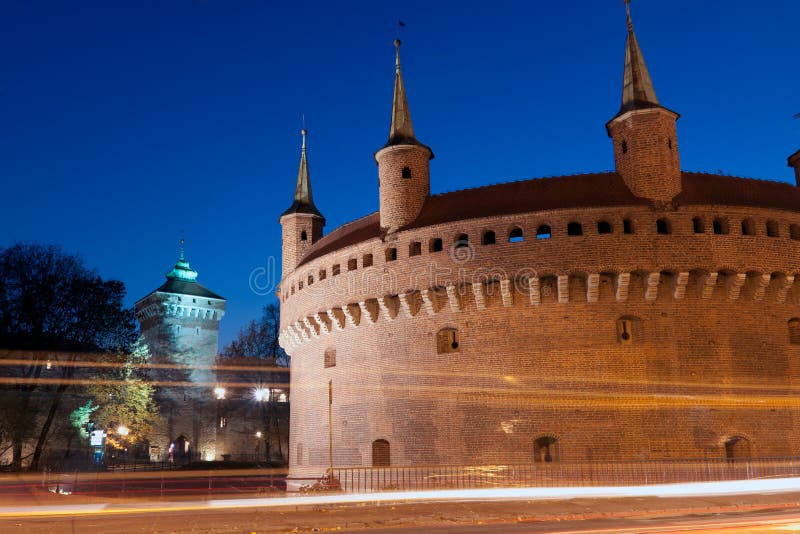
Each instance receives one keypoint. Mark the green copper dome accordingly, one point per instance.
(182, 271)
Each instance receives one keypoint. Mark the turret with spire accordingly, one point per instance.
(644, 132)
(403, 163)
(302, 223)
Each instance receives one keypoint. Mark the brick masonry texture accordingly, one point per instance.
(401, 199)
(646, 152)
(711, 359)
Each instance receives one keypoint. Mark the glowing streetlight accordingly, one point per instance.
(219, 393)
(258, 434)
(261, 394)
(122, 430)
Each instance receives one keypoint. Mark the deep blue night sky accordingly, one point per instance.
(123, 123)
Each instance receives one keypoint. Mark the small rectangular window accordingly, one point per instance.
(627, 226)
(435, 245)
(415, 248)
(391, 254)
(367, 260)
(352, 264)
(336, 269)
(323, 275)
(330, 358)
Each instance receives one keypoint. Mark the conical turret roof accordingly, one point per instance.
(637, 87)
(303, 199)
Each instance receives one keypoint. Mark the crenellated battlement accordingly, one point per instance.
(563, 289)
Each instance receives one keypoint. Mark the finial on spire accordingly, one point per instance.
(628, 14)
(304, 132)
(397, 43)
(183, 242)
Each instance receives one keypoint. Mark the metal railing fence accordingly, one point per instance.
(558, 474)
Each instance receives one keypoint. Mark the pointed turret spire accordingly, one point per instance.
(401, 131)
(303, 199)
(637, 87)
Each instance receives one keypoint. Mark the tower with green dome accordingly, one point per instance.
(180, 325)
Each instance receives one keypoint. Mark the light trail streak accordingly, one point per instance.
(21, 362)
(697, 489)
(167, 383)
(486, 396)
(416, 374)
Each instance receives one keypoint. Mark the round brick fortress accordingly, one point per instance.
(646, 313)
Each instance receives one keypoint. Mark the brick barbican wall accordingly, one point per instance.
(549, 362)
(646, 152)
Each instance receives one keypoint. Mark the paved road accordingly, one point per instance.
(622, 516)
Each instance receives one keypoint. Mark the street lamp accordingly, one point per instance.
(219, 393)
(261, 394)
(122, 430)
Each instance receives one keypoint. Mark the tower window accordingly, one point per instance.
(323, 275)
(330, 357)
(352, 264)
(336, 269)
(794, 232)
(435, 245)
(772, 229)
(721, 226)
(197, 331)
(748, 227)
(406, 172)
(391, 254)
(310, 279)
(663, 226)
(303, 236)
(300, 284)
(489, 237)
(698, 225)
(447, 341)
(515, 236)
(794, 331)
(415, 248)
(624, 147)
(574, 228)
(543, 232)
(462, 241)
(366, 261)
(669, 143)
(603, 227)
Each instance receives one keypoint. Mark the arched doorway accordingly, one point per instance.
(545, 449)
(181, 449)
(737, 447)
(381, 454)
